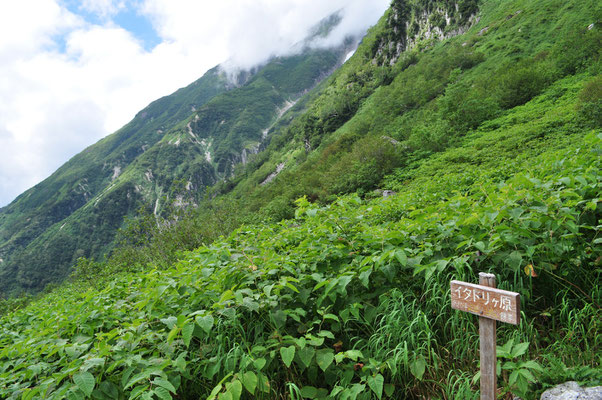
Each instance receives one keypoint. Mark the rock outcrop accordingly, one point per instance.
(572, 391)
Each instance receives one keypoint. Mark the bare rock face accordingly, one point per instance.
(572, 391)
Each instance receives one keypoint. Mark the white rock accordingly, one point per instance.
(572, 391)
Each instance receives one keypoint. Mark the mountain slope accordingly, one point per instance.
(372, 120)
(491, 140)
(164, 158)
(91, 171)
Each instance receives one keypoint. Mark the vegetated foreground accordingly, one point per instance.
(350, 299)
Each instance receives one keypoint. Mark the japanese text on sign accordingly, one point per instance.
(484, 301)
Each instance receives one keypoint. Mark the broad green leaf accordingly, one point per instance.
(336, 390)
(180, 362)
(172, 334)
(75, 395)
(292, 287)
(343, 283)
(170, 322)
(326, 334)
(259, 363)
(509, 365)
(315, 341)
(93, 362)
(215, 391)
(142, 376)
(527, 374)
(225, 396)
(148, 396)
(138, 391)
(400, 255)
(85, 382)
(278, 317)
(264, 383)
(331, 316)
(532, 365)
(306, 355)
(162, 393)
(126, 376)
(324, 358)
(354, 354)
(506, 349)
(389, 389)
(250, 304)
(235, 389)
(205, 323)
(418, 367)
(30, 393)
(287, 354)
(249, 380)
(165, 384)
(309, 392)
(513, 378)
(187, 331)
(520, 349)
(376, 383)
(365, 278)
(137, 378)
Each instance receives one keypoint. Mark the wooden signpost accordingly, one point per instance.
(491, 305)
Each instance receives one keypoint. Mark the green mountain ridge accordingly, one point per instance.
(176, 147)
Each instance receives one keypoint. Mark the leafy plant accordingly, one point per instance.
(516, 374)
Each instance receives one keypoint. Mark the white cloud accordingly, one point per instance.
(250, 31)
(65, 83)
(103, 8)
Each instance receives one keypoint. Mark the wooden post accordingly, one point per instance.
(491, 305)
(487, 345)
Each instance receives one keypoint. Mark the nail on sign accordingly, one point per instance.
(484, 301)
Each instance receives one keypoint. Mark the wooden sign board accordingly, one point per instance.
(488, 302)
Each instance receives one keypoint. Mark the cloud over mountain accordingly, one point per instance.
(72, 71)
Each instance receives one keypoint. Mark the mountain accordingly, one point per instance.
(165, 157)
(82, 179)
(461, 137)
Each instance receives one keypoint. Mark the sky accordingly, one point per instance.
(74, 71)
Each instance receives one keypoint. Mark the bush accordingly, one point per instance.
(433, 136)
(519, 84)
(466, 108)
(279, 209)
(577, 51)
(364, 167)
(590, 101)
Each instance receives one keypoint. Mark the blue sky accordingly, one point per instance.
(74, 71)
(129, 16)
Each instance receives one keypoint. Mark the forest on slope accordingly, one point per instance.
(312, 285)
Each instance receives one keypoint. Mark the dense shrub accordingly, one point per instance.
(517, 84)
(466, 107)
(364, 167)
(590, 101)
(578, 51)
(278, 209)
(434, 136)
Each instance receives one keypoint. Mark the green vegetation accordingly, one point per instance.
(164, 158)
(37, 244)
(314, 286)
(350, 298)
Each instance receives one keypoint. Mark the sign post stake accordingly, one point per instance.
(490, 305)
(487, 340)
